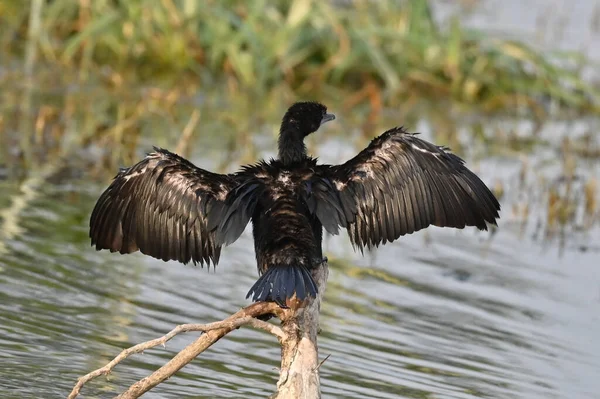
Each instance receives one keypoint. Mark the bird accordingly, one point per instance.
(168, 208)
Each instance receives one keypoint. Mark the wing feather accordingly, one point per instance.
(399, 184)
(159, 206)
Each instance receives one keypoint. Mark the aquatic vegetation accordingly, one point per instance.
(379, 51)
(106, 75)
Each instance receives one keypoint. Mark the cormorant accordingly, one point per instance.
(168, 208)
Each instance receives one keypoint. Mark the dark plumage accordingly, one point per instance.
(168, 208)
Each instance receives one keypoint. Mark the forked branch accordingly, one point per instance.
(213, 332)
(299, 374)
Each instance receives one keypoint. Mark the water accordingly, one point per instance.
(438, 314)
(442, 313)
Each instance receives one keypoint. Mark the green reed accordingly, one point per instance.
(77, 75)
(392, 48)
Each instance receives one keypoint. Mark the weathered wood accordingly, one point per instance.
(194, 349)
(299, 375)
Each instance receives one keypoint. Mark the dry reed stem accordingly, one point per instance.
(182, 147)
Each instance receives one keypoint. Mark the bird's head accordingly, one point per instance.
(305, 118)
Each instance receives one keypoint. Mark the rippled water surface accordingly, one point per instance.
(442, 313)
(512, 313)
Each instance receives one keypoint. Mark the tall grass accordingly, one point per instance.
(91, 77)
(388, 49)
(110, 72)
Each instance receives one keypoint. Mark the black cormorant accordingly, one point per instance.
(168, 208)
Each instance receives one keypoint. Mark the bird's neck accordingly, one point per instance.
(291, 146)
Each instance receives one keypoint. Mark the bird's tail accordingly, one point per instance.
(281, 283)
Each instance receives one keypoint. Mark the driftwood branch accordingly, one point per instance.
(299, 374)
(298, 338)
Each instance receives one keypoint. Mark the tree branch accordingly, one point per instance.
(213, 332)
(299, 374)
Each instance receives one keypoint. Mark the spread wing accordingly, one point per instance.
(160, 206)
(399, 184)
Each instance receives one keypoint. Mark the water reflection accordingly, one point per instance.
(441, 313)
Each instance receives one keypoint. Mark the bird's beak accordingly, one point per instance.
(327, 118)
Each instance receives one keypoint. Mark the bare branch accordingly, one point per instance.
(299, 373)
(213, 332)
(268, 327)
(323, 361)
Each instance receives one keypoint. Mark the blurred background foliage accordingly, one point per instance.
(307, 45)
(102, 79)
(121, 60)
(87, 86)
